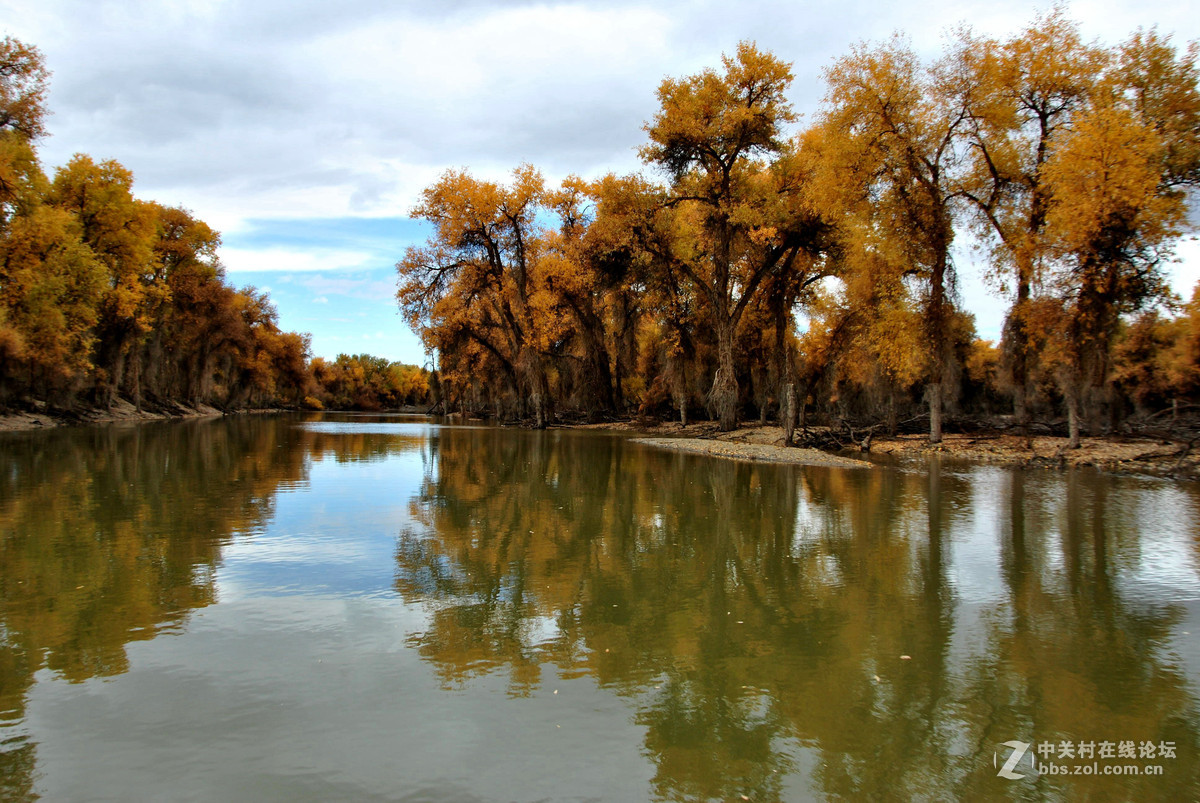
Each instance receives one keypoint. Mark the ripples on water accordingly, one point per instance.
(362, 607)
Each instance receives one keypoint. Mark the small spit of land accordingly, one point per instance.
(746, 450)
(1126, 455)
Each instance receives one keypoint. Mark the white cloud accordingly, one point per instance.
(303, 109)
(238, 260)
(358, 286)
(294, 109)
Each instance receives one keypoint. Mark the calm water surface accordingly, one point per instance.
(357, 608)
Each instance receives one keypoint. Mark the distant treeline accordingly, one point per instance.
(765, 269)
(103, 294)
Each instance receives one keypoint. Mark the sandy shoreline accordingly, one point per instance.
(760, 452)
(1113, 454)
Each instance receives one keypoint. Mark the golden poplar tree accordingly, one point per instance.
(892, 127)
(470, 289)
(717, 137)
(1026, 90)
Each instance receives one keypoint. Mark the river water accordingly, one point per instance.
(382, 608)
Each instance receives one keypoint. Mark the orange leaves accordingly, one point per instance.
(709, 121)
(474, 288)
(51, 285)
(1104, 176)
(23, 85)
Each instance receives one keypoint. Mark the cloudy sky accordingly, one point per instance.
(304, 131)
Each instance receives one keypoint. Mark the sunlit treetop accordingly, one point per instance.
(710, 120)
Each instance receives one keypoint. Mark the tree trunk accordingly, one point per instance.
(1019, 350)
(1072, 400)
(723, 398)
(781, 373)
(539, 411)
(598, 379)
(789, 414)
(137, 378)
(935, 412)
(937, 316)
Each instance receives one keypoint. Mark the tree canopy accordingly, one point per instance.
(758, 260)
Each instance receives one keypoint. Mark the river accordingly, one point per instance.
(361, 607)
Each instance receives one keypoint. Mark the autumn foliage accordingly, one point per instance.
(759, 267)
(105, 295)
(756, 267)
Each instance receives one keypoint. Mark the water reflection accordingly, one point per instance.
(770, 631)
(111, 535)
(772, 623)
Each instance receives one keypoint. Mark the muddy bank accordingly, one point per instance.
(40, 416)
(1119, 455)
(44, 417)
(1115, 454)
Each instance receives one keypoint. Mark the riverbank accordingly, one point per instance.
(121, 411)
(1122, 455)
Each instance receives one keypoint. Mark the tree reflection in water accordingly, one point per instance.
(777, 631)
(110, 535)
(771, 623)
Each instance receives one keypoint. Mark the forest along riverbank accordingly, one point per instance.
(1116, 454)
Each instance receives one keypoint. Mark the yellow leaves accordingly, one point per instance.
(1157, 358)
(891, 128)
(89, 271)
(51, 285)
(708, 121)
(472, 214)
(182, 241)
(1048, 68)
(1104, 176)
(765, 235)
(873, 89)
(21, 179)
(12, 342)
(23, 85)
(477, 283)
(983, 364)
(1162, 90)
